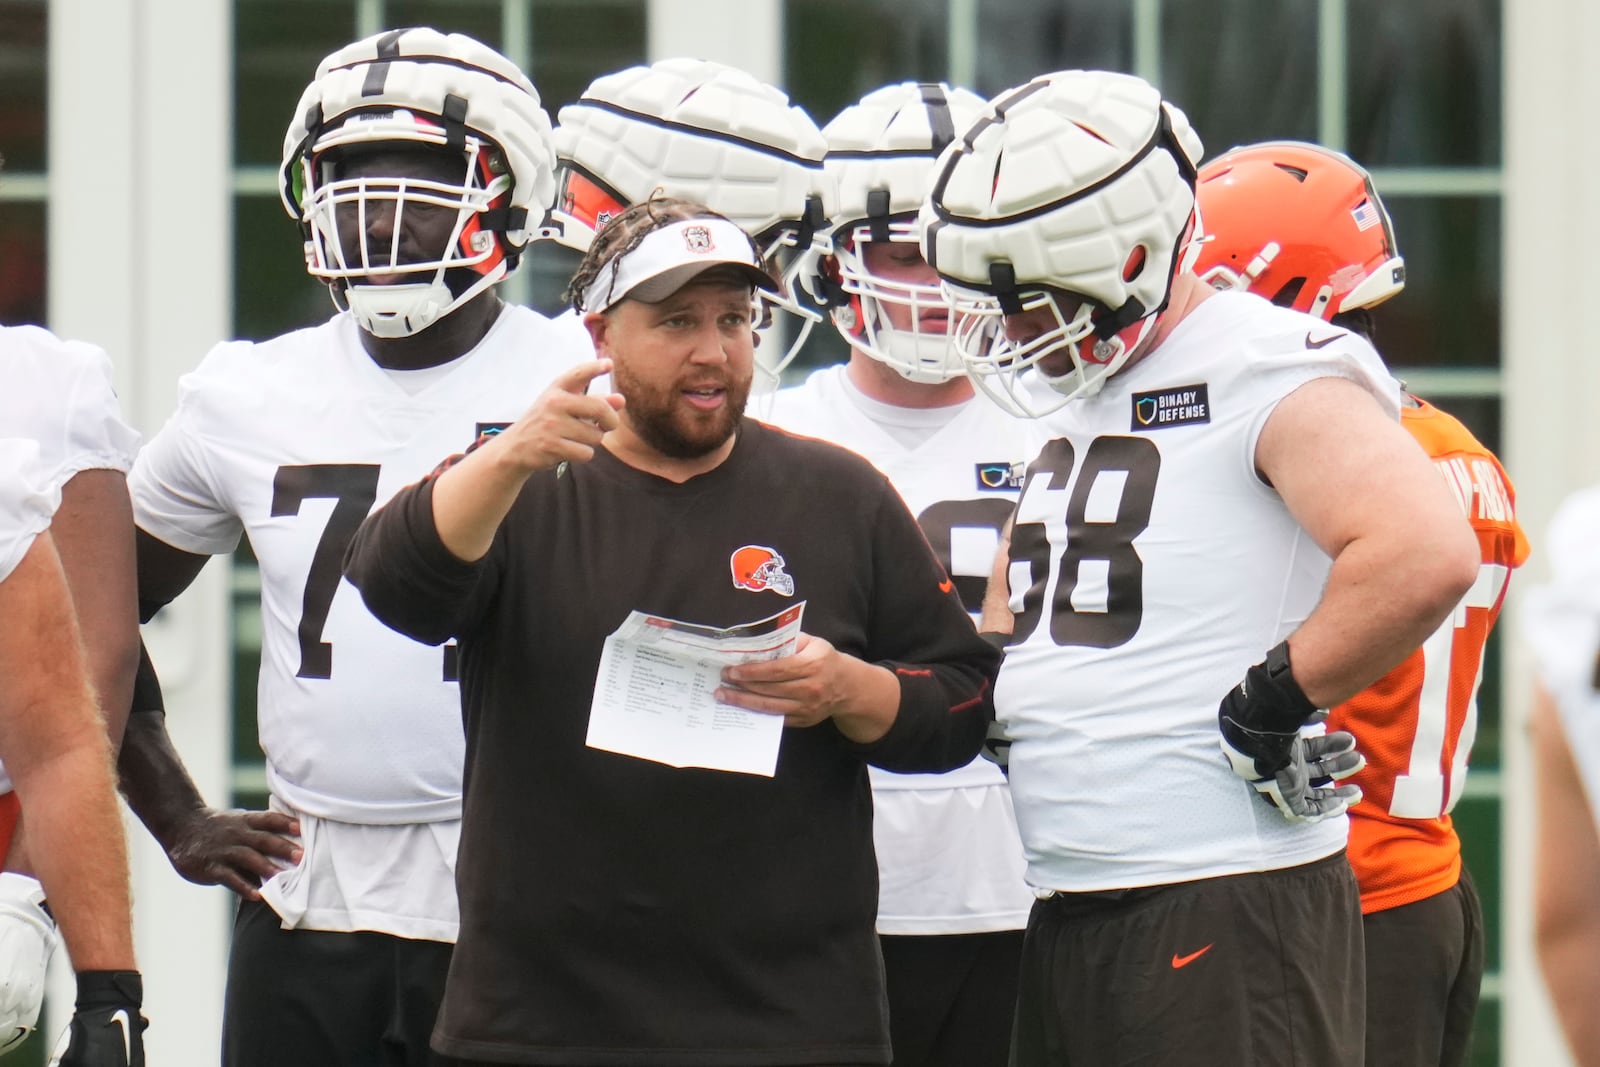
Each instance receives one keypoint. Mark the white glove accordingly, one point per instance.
(27, 937)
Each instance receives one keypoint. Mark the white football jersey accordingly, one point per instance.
(1561, 624)
(949, 860)
(26, 508)
(292, 442)
(59, 394)
(1150, 567)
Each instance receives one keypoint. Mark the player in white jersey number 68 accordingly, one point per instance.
(1226, 493)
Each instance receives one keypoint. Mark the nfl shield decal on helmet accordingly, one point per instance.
(760, 569)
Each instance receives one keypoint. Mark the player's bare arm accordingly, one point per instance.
(565, 425)
(93, 535)
(996, 617)
(54, 746)
(1403, 553)
(818, 682)
(236, 849)
(1566, 885)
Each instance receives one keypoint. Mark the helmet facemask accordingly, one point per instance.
(787, 250)
(392, 286)
(1013, 373)
(398, 93)
(920, 350)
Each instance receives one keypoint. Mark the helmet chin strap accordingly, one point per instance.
(399, 310)
(406, 309)
(1077, 383)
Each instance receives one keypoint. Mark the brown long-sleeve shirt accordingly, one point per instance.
(620, 911)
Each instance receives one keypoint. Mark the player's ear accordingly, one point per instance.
(596, 323)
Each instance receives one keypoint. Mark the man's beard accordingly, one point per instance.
(667, 424)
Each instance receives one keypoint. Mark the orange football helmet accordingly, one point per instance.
(1298, 224)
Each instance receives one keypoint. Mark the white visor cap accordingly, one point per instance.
(669, 258)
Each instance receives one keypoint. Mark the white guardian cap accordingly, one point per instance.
(703, 132)
(1074, 192)
(880, 162)
(418, 87)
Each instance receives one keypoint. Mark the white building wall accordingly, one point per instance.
(140, 259)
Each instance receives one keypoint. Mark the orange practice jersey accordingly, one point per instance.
(1417, 723)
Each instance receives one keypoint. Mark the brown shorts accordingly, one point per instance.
(1424, 971)
(1262, 969)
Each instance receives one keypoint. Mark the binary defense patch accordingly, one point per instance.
(998, 477)
(1181, 405)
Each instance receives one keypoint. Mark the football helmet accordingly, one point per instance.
(705, 132)
(1073, 194)
(1299, 224)
(881, 153)
(417, 87)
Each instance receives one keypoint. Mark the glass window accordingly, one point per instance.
(1242, 70)
(1477, 820)
(1450, 311)
(1023, 38)
(548, 267)
(277, 45)
(22, 263)
(837, 51)
(481, 19)
(272, 291)
(568, 53)
(23, 84)
(1424, 82)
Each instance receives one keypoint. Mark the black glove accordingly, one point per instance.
(106, 1029)
(1260, 721)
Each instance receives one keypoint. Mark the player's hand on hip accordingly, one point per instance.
(107, 1029)
(806, 688)
(236, 849)
(27, 938)
(1259, 721)
(565, 424)
(1306, 788)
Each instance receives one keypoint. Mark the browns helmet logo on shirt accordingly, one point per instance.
(760, 569)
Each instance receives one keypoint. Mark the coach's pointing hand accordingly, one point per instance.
(565, 425)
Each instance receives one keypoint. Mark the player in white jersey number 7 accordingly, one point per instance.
(1226, 492)
(418, 165)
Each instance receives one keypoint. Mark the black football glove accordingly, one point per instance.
(107, 1029)
(1260, 722)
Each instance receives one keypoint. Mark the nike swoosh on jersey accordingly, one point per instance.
(1321, 342)
(946, 585)
(1184, 961)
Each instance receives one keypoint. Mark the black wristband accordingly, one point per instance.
(109, 989)
(1274, 701)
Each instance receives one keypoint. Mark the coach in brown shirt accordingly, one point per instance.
(616, 910)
